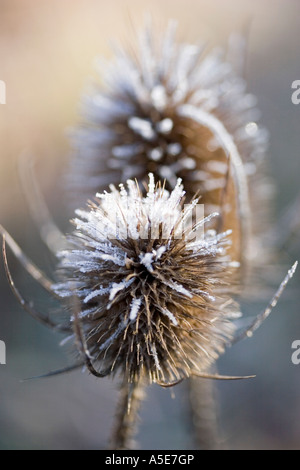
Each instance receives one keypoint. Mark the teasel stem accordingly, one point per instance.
(131, 396)
(204, 413)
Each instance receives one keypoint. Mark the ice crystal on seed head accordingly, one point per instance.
(157, 305)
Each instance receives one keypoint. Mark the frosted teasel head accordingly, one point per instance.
(152, 307)
(168, 108)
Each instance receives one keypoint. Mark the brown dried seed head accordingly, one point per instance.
(153, 296)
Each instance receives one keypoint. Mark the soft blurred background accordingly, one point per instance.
(47, 55)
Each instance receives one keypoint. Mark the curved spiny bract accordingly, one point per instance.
(153, 297)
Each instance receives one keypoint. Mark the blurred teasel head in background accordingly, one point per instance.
(174, 110)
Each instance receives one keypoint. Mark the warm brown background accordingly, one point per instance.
(47, 51)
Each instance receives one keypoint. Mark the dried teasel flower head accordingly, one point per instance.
(153, 299)
(141, 120)
(173, 110)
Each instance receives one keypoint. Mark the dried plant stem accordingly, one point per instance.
(203, 409)
(130, 398)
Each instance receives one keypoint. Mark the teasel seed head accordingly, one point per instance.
(175, 111)
(152, 292)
